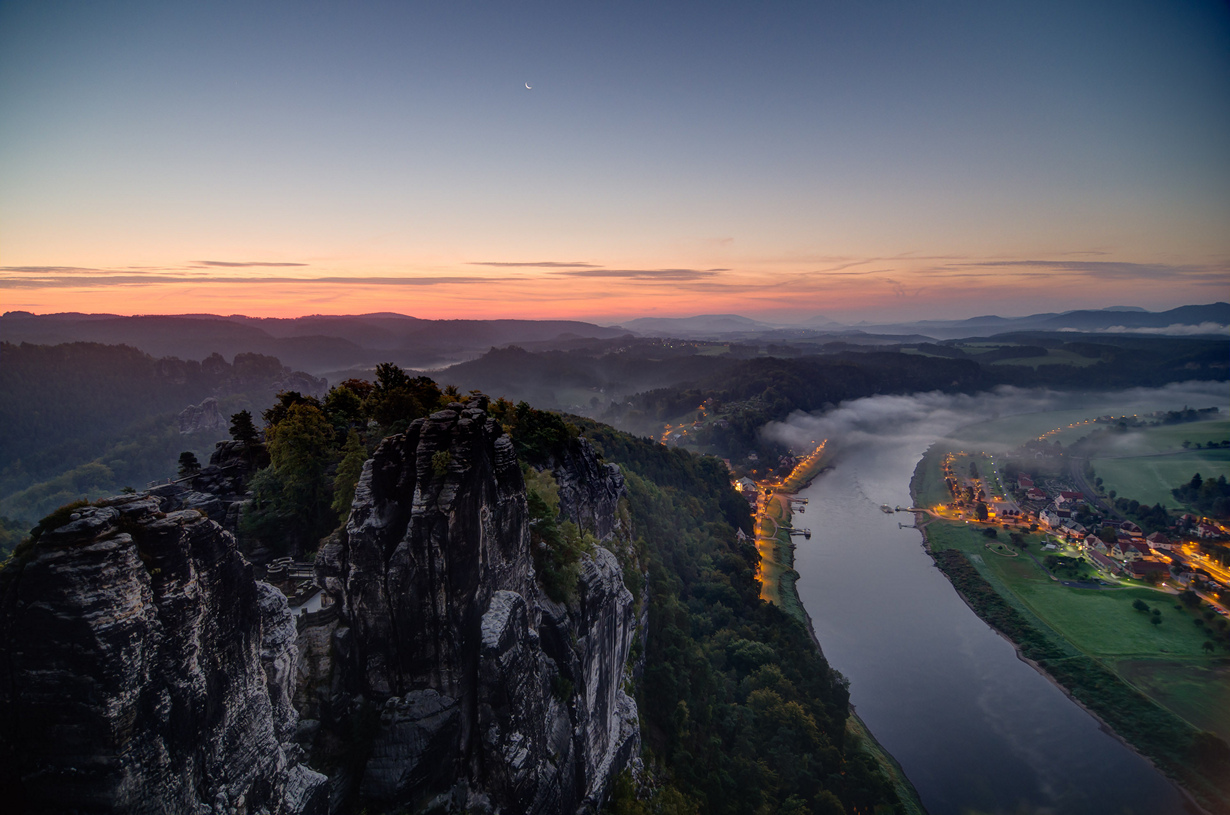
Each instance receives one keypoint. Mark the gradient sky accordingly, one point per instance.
(878, 160)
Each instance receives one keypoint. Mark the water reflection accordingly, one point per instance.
(974, 728)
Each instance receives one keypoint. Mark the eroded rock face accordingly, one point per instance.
(589, 490)
(491, 697)
(220, 489)
(142, 669)
(202, 418)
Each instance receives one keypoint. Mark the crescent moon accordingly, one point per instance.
(527, 87)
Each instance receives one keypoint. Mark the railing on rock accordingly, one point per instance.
(314, 619)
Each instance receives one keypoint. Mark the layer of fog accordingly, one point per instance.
(925, 417)
(1172, 330)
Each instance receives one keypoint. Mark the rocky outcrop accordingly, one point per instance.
(490, 696)
(589, 490)
(219, 490)
(202, 418)
(143, 669)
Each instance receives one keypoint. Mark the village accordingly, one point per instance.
(1077, 526)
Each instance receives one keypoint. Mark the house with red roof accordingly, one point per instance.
(1134, 550)
(1145, 567)
(1094, 544)
(1103, 562)
(1159, 541)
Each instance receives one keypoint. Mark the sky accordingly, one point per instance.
(880, 160)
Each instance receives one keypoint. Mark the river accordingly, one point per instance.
(974, 728)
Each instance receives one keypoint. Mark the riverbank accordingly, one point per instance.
(779, 586)
(1197, 761)
(773, 524)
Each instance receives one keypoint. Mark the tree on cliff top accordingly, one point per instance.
(242, 428)
(291, 505)
(397, 398)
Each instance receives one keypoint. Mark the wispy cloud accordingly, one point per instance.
(1110, 269)
(62, 281)
(664, 275)
(230, 264)
(46, 270)
(540, 264)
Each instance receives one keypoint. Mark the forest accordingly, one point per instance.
(85, 420)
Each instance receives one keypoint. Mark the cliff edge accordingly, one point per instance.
(490, 696)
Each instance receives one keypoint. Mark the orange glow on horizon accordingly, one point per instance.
(641, 285)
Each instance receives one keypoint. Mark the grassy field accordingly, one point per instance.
(1012, 431)
(1055, 357)
(1196, 690)
(1166, 438)
(1154, 684)
(1149, 479)
(1100, 623)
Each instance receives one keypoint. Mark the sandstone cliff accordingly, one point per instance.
(490, 696)
(143, 669)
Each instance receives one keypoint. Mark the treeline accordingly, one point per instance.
(1150, 519)
(1121, 361)
(750, 393)
(1206, 495)
(316, 452)
(589, 377)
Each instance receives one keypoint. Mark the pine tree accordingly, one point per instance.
(188, 464)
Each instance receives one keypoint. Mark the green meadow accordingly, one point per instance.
(1057, 356)
(1146, 464)
(1149, 479)
(1102, 624)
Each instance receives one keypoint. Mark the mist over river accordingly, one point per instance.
(975, 728)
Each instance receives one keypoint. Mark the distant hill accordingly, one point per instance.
(322, 344)
(705, 326)
(1183, 320)
(1208, 318)
(580, 381)
(87, 419)
(315, 344)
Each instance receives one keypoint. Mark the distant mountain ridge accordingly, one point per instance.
(326, 343)
(315, 343)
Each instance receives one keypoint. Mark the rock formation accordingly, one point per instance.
(490, 695)
(143, 669)
(219, 490)
(202, 418)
